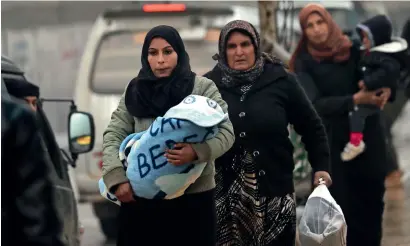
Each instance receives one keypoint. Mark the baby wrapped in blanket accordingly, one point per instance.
(194, 120)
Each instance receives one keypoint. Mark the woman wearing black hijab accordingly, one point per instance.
(164, 80)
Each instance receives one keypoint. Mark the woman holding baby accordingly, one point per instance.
(164, 80)
(328, 66)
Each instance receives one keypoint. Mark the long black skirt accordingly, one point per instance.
(187, 220)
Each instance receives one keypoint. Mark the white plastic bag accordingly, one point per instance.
(322, 222)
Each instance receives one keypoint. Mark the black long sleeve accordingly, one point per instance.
(384, 71)
(325, 106)
(308, 124)
(30, 213)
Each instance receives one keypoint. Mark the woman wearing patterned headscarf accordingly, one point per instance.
(255, 204)
(327, 64)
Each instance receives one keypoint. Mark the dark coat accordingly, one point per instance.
(28, 212)
(260, 120)
(331, 86)
(380, 70)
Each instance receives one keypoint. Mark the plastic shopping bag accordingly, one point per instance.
(322, 222)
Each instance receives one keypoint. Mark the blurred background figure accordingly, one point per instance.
(28, 211)
(395, 173)
(405, 79)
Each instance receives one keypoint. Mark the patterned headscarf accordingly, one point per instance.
(233, 77)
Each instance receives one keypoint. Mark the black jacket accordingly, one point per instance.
(28, 213)
(260, 121)
(380, 70)
(331, 86)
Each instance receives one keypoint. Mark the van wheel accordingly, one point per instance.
(109, 228)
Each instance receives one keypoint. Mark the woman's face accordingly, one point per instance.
(32, 102)
(240, 52)
(162, 58)
(317, 30)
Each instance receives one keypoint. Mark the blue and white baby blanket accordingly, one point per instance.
(194, 120)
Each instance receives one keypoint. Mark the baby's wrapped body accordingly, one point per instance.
(381, 61)
(379, 70)
(142, 154)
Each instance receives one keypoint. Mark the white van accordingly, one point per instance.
(112, 58)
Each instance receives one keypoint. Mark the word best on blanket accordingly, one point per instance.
(194, 120)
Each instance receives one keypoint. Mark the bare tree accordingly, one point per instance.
(267, 22)
(268, 32)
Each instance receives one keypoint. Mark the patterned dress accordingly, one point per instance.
(245, 218)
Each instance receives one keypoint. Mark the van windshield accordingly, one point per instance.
(118, 59)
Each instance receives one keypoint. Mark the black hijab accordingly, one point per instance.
(148, 96)
(21, 88)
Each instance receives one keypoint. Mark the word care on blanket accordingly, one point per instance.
(194, 120)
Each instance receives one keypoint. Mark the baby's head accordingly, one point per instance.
(375, 31)
(200, 110)
(366, 41)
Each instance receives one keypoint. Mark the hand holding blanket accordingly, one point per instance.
(194, 120)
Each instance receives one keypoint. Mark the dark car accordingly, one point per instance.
(81, 140)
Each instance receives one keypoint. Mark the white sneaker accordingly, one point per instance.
(351, 151)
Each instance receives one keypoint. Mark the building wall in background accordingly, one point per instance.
(50, 57)
(46, 39)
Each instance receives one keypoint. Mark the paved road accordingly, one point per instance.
(93, 235)
(396, 224)
(396, 221)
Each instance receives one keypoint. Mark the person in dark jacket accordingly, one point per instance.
(393, 111)
(379, 69)
(405, 77)
(327, 63)
(254, 179)
(28, 213)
